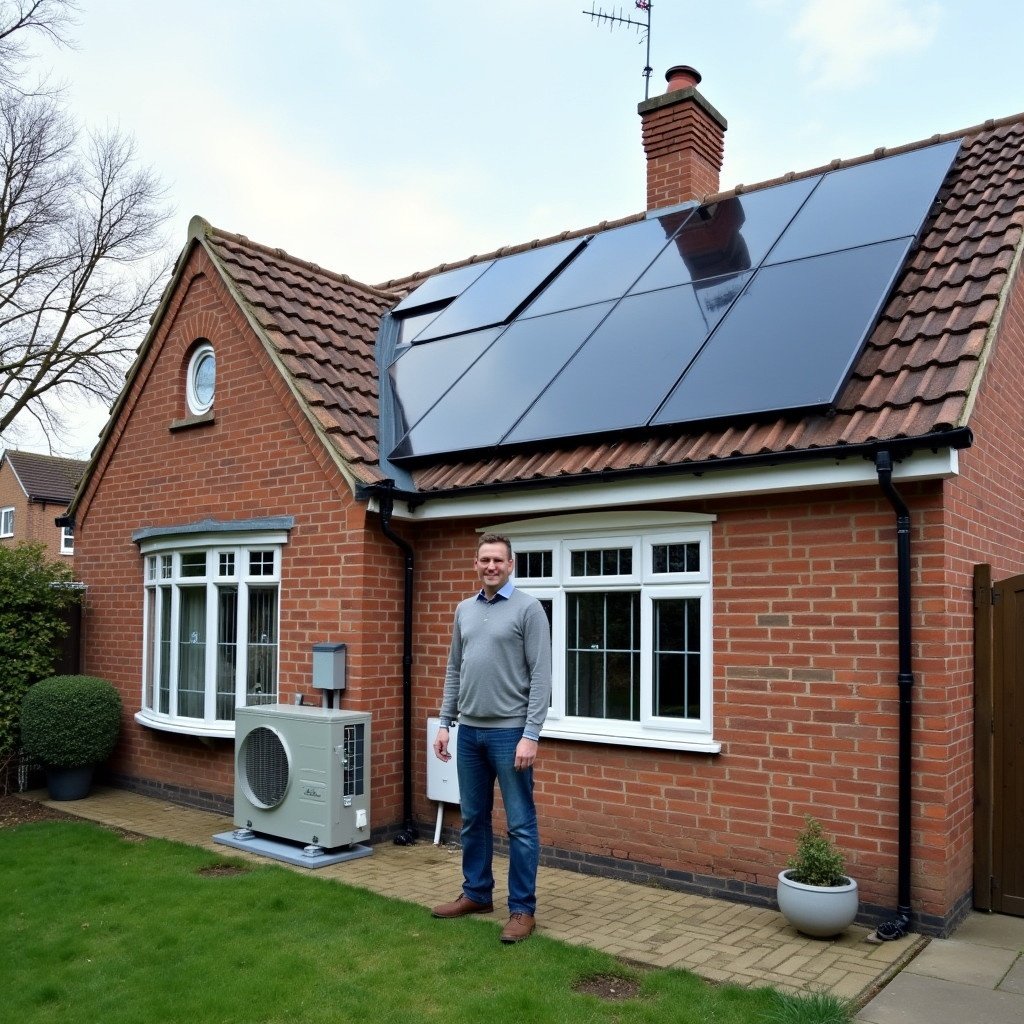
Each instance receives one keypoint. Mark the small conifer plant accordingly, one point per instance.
(816, 861)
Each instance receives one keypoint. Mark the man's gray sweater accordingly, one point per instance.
(499, 665)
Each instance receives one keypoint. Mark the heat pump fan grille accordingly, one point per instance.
(265, 761)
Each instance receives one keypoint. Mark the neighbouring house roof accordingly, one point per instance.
(915, 376)
(47, 478)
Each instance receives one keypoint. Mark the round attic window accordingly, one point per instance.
(202, 374)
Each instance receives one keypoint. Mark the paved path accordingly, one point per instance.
(716, 939)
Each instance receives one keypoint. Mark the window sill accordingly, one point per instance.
(188, 422)
(652, 740)
(190, 727)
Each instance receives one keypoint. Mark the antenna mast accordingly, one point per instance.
(613, 19)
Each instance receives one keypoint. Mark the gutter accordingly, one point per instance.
(898, 925)
(958, 438)
(384, 491)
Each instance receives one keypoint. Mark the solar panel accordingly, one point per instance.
(496, 295)
(421, 374)
(484, 402)
(791, 341)
(609, 264)
(662, 332)
(727, 237)
(867, 203)
(442, 287)
(756, 304)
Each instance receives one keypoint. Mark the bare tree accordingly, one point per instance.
(80, 229)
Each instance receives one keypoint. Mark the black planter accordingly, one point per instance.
(69, 783)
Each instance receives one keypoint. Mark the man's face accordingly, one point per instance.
(493, 566)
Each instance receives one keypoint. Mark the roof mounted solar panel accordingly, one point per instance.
(754, 305)
(506, 286)
(481, 406)
(866, 203)
(420, 375)
(599, 391)
(441, 287)
(791, 341)
(611, 262)
(727, 237)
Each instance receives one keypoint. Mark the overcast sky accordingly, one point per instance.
(377, 139)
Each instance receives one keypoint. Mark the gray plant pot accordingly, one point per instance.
(69, 783)
(815, 910)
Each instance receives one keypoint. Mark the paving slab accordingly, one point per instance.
(1013, 980)
(966, 962)
(918, 999)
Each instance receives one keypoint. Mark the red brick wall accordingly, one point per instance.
(805, 654)
(258, 458)
(984, 523)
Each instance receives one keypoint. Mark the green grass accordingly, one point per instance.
(97, 927)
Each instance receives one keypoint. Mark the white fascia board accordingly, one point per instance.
(643, 491)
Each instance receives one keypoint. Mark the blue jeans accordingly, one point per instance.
(486, 755)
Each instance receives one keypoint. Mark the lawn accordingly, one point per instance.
(97, 926)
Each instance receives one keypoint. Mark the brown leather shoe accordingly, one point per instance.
(461, 907)
(520, 926)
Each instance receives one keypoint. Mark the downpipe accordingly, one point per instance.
(385, 494)
(898, 925)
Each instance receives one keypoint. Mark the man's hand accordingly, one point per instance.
(441, 745)
(526, 754)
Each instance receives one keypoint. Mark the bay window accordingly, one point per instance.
(210, 627)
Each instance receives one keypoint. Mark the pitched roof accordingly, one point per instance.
(47, 478)
(322, 327)
(915, 376)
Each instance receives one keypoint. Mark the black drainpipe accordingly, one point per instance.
(385, 494)
(899, 924)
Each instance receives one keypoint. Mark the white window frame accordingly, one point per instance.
(196, 405)
(641, 533)
(67, 540)
(163, 581)
(7, 521)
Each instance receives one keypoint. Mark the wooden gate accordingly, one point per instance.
(999, 743)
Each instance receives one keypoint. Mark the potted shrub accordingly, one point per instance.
(815, 894)
(70, 724)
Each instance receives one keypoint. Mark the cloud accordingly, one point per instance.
(841, 42)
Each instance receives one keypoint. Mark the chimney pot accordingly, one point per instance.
(682, 76)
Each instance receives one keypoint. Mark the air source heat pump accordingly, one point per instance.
(303, 773)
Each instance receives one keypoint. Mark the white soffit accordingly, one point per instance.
(642, 491)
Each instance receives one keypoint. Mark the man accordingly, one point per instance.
(498, 684)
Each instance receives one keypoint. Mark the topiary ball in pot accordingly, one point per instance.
(70, 721)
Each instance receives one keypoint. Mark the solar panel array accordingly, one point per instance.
(756, 304)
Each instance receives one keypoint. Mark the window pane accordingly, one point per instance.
(164, 640)
(192, 652)
(677, 657)
(531, 565)
(165, 567)
(193, 563)
(677, 557)
(261, 563)
(226, 563)
(603, 655)
(261, 676)
(227, 650)
(603, 562)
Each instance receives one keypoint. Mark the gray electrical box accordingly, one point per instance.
(329, 666)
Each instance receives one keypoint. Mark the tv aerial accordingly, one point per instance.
(642, 27)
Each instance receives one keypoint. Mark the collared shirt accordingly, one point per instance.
(504, 593)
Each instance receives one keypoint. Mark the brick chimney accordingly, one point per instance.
(684, 141)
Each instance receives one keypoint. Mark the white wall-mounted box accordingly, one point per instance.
(442, 777)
